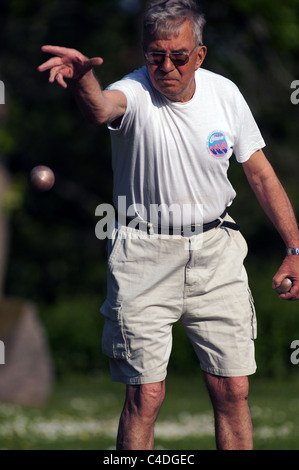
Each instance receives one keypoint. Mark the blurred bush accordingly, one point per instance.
(74, 329)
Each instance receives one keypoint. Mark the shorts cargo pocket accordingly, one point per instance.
(114, 342)
(253, 321)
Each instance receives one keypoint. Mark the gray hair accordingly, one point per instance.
(165, 17)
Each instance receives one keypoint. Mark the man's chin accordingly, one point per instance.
(169, 89)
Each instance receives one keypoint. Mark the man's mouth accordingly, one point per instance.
(167, 80)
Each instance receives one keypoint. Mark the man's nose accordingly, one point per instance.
(167, 65)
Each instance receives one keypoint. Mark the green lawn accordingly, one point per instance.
(83, 414)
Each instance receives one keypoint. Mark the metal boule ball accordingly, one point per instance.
(285, 286)
(42, 178)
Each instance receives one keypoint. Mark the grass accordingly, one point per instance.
(83, 412)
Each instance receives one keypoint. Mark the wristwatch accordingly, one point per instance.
(292, 251)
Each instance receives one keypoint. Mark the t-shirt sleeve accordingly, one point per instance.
(120, 126)
(248, 138)
(133, 92)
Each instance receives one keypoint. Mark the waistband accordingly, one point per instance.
(188, 231)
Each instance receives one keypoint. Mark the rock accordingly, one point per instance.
(26, 377)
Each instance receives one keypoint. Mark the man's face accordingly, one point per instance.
(176, 82)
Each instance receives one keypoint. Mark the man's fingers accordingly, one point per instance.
(60, 80)
(293, 293)
(60, 51)
(53, 62)
(94, 62)
(72, 56)
(53, 72)
(63, 72)
(67, 63)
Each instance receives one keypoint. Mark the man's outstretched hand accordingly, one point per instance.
(67, 64)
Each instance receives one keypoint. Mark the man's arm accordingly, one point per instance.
(275, 202)
(98, 106)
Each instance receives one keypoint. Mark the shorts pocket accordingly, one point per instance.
(114, 341)
(253, 321)
(240, 242)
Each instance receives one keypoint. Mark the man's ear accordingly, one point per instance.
(202, 52)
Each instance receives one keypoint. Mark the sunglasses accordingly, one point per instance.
(177, 58)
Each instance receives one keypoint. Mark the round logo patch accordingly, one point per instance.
(217, 144)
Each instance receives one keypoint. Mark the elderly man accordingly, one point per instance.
(174, 127)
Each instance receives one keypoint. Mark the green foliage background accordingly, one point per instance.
(55, 258)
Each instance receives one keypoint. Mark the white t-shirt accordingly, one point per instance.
(176, 155)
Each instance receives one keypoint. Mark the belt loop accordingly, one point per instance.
(221, 218)
(221, 222)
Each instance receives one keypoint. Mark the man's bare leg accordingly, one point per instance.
(233, 427)
(137, 421)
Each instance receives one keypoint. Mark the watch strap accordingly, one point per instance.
(292, 251)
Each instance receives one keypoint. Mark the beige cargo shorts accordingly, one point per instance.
(155, 281)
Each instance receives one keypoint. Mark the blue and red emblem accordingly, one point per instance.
(217, 145)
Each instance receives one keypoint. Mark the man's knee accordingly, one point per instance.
(228, 390)
(146, 399)
(235, 389)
